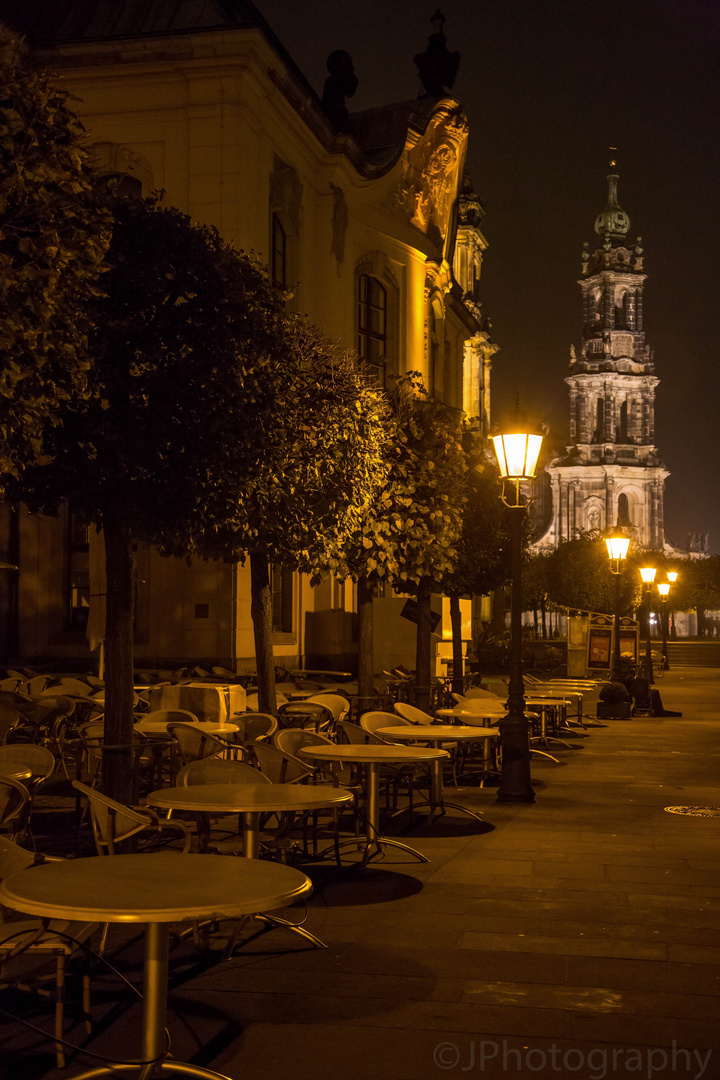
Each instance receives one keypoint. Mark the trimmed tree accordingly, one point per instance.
(189, 344)
(409, 534)
(310, 488)
(483, 555)
(53, 236)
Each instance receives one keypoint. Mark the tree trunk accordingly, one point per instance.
(366, 659)
(423, 650)
(458, 681)
(261, 612)
(544, 619)
(119, 779)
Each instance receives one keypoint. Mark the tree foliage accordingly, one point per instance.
(579, 576)
(184, 443)
(53, 237)
(408, 535)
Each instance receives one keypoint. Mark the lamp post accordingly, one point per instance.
(517, 456)
(647, 573)
(617, 544)
(664, 589)
(672, 576)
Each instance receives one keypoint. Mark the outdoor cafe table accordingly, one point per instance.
(372, 756)
(209, 727)
(249, 800)
(435, 734)
(155, 889)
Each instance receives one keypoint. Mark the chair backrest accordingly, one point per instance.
(254, 726)
(37, 684)
(194, 743)
(14, 807)
(111, 820)
(411, 713)
(371, 721)
(166, 716)
(289, 740)
(338, 705)
(353, 733)
(306, 713)
(9, 719)
(479, 692)
(38, 758)
(219, 771)
(279, 767)
(74, 686)
(13, 857)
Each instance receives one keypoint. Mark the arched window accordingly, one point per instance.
(372, 325)
(623, 511)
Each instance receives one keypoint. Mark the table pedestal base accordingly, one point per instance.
(154, 1008)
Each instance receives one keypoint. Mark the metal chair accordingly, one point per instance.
(21, 937)
(113, 822)
(14, 808)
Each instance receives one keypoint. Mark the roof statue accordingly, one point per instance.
(437, 66)
(342, 82)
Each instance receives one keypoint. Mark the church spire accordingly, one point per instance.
(612, 221)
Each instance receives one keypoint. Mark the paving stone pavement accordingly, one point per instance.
(577, 937)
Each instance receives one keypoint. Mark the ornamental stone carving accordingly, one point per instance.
(429, 171)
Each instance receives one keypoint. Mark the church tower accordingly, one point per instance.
(611, 471)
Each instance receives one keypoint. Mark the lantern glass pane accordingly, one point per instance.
(647, 573)
(517, 454)
(664, 588)
(617, 546)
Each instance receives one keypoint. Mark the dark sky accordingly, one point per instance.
(548, 86)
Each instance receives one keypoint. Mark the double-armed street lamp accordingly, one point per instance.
(647, 573)
(517, 454)
(617, 544)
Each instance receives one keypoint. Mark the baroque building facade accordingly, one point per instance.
(610, 471)
(367, 222)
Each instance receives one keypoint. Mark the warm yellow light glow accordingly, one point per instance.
(617, 545)
(663, 587)
(647, 573)
(517, 455)
(672, 575)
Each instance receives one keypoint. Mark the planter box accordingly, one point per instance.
(618, 710)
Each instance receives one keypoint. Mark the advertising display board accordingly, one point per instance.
(600, 634)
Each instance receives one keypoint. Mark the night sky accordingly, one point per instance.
(548, 86)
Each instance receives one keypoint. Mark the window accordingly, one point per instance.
(281, 584)
(372, 325)
(77, 588)
(278, 262)
(434, 355)
(623, 511)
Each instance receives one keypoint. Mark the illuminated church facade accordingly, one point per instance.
(610, 472)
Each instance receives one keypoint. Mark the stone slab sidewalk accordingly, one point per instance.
(578, 937)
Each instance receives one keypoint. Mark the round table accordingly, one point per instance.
(249, 800)
(436, 734)
(156, 889)
(543, 704)
(210, 727)
(372, 756)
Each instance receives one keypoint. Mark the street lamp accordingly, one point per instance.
(664, 589)
(617, 544)
(647, 573)
(517, 456)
